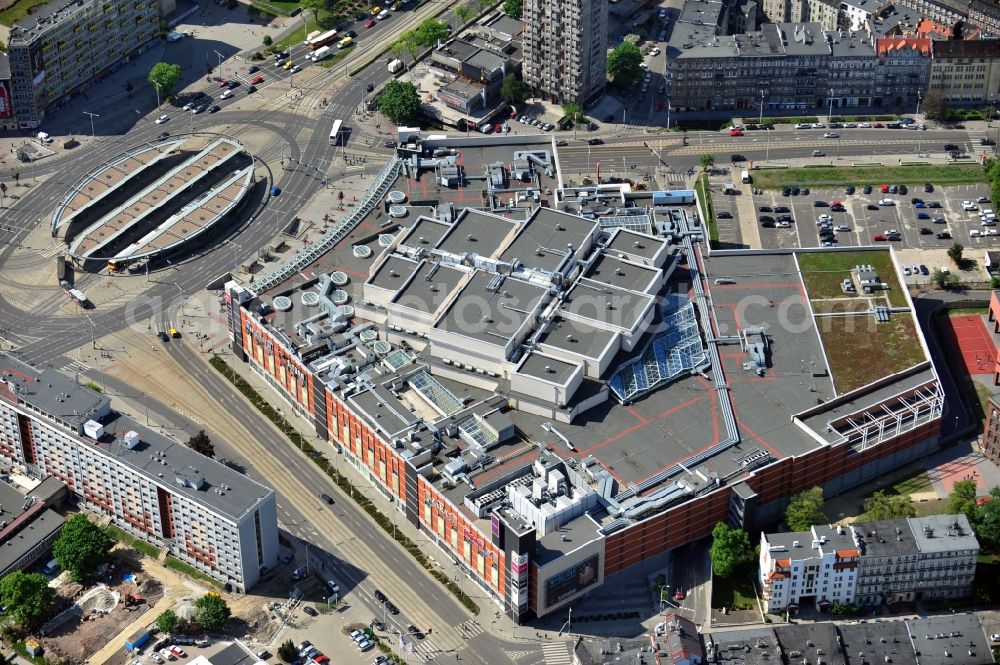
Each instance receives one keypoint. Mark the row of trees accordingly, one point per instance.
(211, 613)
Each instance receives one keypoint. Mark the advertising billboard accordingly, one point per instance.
(37, 64)
(562, 585)
(6, 111)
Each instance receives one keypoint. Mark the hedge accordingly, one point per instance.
(364, 502)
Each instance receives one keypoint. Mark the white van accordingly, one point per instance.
(227, 94)
(745, 177)
(44, 138)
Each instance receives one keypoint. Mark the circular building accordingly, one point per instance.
(154, 201)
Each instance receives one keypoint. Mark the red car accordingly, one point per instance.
(370, 22)
(256, 80)
(736, 132)
(878, 237)
(177, 651)
(223, 84)
(322, 659)
(679, 594)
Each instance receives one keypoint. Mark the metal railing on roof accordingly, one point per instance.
(372, 197)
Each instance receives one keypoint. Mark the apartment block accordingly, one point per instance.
(991, 432)
(65, 46)
(869, 563)
(784, 67)
(565, 49)
(824, 12)
(207, 515)
(903, 69)
(966, 71)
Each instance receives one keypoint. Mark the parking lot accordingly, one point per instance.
(867, 222)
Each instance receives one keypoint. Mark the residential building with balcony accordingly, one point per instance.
(903, 69)
(65, 46)
(207, 515)
(966, 71)
(566, 49)
(868, 563)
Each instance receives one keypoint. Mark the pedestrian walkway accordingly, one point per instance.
(557, 653)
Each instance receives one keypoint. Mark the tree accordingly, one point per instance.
(211, 612)
(963, 498)
(933, 105)
(706, 161)
(27, 596)
(573, 112)
(399, 101)
(287, 651)
(431, 31)
(955, 253)
(313, 7)
(944, 280)
(805, 510)
(164, 76)
(267, 40)
(167, 621)
(82, 547)
(200, 443)
(883, 506)
(514, 91)
(408, 40)
(623, 65)
(463, 13)
(513, 8)
(730, 550)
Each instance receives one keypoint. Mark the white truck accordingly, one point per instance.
(320, 54)
(395, 65)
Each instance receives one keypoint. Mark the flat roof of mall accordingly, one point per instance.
(491, 316)
(477, 233)
(547, 368)
(430, 230)
(576, 337)
(544, 242)
(430, 287)
(610, 269)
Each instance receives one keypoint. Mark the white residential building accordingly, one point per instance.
(207, 515)
(869, 563)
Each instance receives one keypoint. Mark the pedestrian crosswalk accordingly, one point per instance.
(50, 251)
(557, 653)
(674, 177)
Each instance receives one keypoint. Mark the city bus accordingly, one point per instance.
(335, 132)
(319, 41)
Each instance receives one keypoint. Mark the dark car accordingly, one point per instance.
(415, 632)
(838, 208)
(786, 191)
(765, 218)
(872, 206)
(737, 158)
(805, 191)
(986, 141)
(309, 610)
(826, 233)
(820, 204)
(767, 224)
(214, 109)
(380, 597)
(162, 136)
(724, 215)
(916, 200)
(326, 497)
(923, 215)
(782, 209)
(232, 85)
(938, 220)
(903, 189)
(766, 209)
(253, 69)
(251, 89)
(784, 218)
(924, 231)
(933, 204)
(287, 559)
(795, 191)
(392, 609)
(164, 337)
(849, 189)
(390, 144)
(867, 189)
(944, 235)
(595, 142)
(948, 147)
(928, 187)
(370, 87)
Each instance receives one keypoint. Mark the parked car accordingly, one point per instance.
(308, 609)
(944, 235)
(595, 141)
(724, 215)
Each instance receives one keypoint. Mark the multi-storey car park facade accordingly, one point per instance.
(565, 49)
(559, 388)
(65, 46)
(213, 518)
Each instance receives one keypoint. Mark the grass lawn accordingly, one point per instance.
(736, 594)
(281, 7)
(886, 348)
(182, 567)
(338, 56)
(918, 483)
(297, 36)
(951, 174)
(138, 545)
(968, 311)
(845, 304)
(823, 272)
(705, 195)
(18, 11)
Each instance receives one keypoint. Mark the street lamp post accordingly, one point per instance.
(92, 116)
(760, 121)
(221, 74)
(830, 116)
(157, 86)
(919, 92)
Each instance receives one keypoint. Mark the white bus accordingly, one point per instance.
(335, 132)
